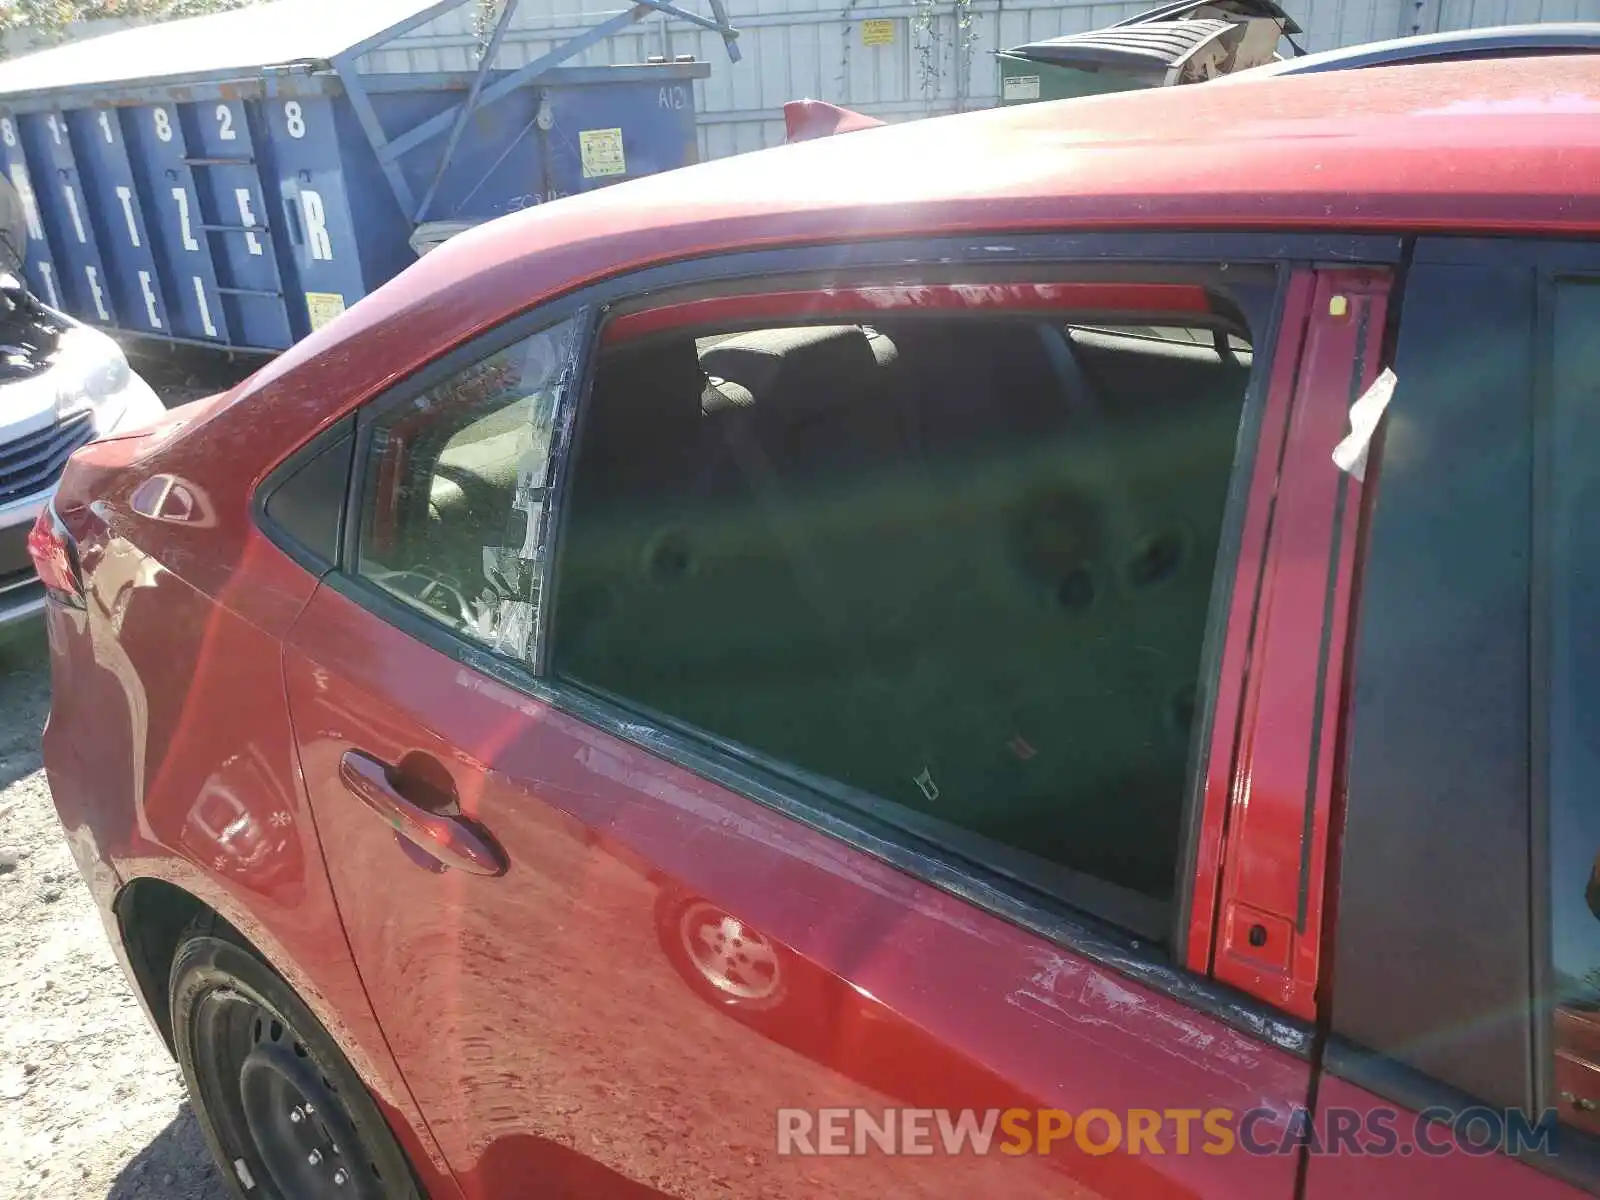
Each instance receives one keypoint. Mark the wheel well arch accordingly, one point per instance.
(152, 916)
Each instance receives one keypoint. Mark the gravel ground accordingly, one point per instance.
(91, 1104)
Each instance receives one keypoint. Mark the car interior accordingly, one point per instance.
(958, 563)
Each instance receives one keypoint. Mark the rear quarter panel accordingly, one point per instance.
(168, 748)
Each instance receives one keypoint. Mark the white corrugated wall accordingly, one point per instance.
(1472, 14)
(824, 48)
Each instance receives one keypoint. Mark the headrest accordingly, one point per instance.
(798, 370)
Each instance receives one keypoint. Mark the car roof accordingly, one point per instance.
(1495, 41)
(1509, 146)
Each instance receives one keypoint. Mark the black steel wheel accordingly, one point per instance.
(285, 1115)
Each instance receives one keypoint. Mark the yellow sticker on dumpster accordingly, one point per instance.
(601, 151)
(877, 33)
(323, 307)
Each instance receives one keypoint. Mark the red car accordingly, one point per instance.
(1038, 653)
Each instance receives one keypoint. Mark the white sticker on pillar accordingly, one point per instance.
(30, 202)
(96, 292)
(48, 274)
(126, 196)
(1350, 455)
(181, 195)
(316, 218)
(247, 216)
(147, 287)
(71, 197)
(205, 308)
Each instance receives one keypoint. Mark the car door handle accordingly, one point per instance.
(448, 837)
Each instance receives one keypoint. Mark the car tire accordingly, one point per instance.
(285, 1115)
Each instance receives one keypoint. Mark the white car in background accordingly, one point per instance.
(62, 384)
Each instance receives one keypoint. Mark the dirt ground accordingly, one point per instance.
(91, 1104)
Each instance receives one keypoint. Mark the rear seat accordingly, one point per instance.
(989, 380)
(646, 409)
(785, 364)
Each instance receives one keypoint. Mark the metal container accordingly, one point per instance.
(238, 180)
(1187, 42)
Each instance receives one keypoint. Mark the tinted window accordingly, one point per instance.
(959, 566)
(1574, 697)
(308, 505)
(1431, 963)
(455, 488)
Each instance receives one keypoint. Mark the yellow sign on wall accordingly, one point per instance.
(323, 307)
(877, 33)
(601, 152)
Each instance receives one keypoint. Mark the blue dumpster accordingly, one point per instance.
(238, 180)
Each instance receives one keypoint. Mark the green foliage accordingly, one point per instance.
(48, 19)
(927, 40)
(486, 14)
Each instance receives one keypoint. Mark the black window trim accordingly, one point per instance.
(281, 475)
(1541, 535)
(1102, 256)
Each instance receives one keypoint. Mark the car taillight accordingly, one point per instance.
(55, 557)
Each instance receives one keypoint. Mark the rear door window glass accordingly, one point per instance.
(954, 570)
(1432, 959)
(1574, 698)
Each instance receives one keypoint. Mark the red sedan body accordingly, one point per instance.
(581, 940)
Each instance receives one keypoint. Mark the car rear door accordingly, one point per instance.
(619, 950)
(1462, 1056)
